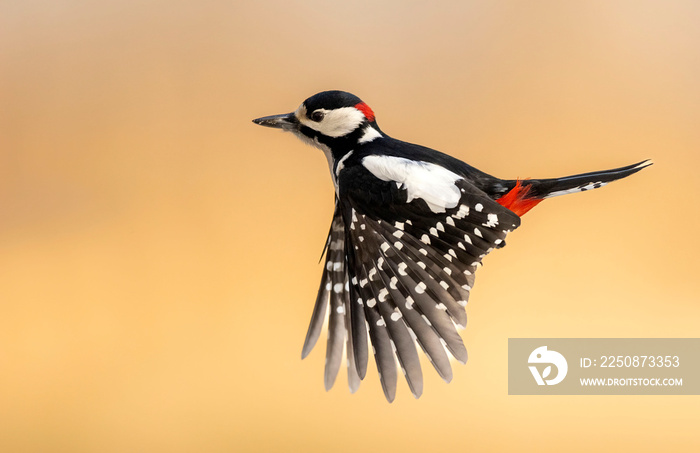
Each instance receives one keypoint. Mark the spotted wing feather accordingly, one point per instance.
(400, 273)
(378, 282)
(334, 292)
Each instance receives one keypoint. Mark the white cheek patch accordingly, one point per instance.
(430, 182)
(335, 123)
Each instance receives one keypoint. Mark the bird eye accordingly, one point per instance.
(317, 116)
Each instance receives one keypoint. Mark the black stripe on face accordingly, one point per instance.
(308, 131)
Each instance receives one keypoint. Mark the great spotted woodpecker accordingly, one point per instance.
(410, 228)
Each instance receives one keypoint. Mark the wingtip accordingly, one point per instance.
(416, 391)
(389, 389)
(461, 355)
(361, 367)
(353, 378)
(331, 373)
(446, 377)
(305, 351)
(644, 163)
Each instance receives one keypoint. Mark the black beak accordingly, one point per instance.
(286, 122)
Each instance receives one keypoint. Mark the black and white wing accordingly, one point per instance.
(334, 292)
(400, 266)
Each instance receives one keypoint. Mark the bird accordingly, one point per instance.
(411, 226)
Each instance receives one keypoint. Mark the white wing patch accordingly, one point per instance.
(430, 182)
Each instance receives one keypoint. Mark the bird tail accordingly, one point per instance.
(523, 195)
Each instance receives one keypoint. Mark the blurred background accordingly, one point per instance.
(159, 252)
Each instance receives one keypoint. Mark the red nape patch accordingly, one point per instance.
(364, 108)
(516, 199)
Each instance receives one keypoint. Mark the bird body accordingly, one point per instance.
(411, 226)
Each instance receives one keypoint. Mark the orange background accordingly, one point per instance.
(159, 252)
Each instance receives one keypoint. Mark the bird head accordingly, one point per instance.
(332, 119)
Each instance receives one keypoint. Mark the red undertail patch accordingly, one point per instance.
(517, 201)
(364, 108)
